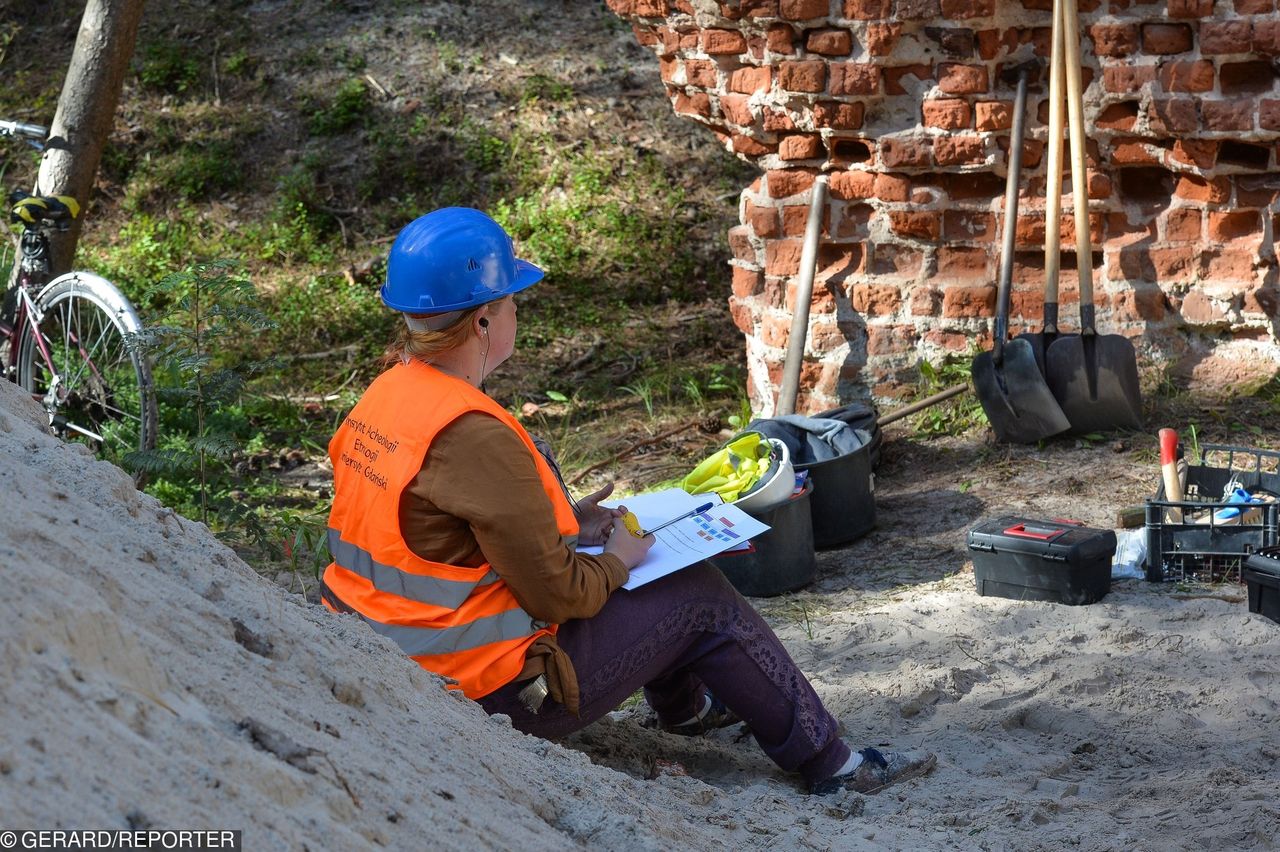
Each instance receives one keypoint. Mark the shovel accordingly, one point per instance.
(1052, 198)
(1093, 376)
(1009, 385)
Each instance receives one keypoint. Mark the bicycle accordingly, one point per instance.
(69, 340)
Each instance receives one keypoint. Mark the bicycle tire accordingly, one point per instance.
(104, 389)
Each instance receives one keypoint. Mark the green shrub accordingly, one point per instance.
(170, 67)
(349, 106)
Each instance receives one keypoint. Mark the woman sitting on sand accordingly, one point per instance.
(454, 537)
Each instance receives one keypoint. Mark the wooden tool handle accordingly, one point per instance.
(1169, 471)
(1079, 162)
(1053, 188)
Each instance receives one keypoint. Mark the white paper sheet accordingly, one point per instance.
(721, 528)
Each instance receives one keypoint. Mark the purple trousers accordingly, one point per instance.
(677, 637)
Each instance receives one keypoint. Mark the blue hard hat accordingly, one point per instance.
(451, 259)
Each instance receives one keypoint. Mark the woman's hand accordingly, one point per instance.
(625, 546)
(594, 520)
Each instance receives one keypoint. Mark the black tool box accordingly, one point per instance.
(1034, 560)
(1262, 574)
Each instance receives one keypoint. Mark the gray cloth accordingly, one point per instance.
(813, 439)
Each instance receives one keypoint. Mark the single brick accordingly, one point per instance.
(959, 150)
(1119, 40)
(1201, 153)
(782, 257)
(747, 282)
(875, 299)
(838, 115)
(1129, 152)
(1197, 76)
(963, 262)
(1266, 37)
(784, 183)
(1143, 302)
(960, 10)
(804, 10)
(891, 339)
(957, 79)
(849, 185)
(750, 146)
(891, 187)
(867, 10)
(829, 42)
(1196, 188)
(737, 109)
(854, 78)
(900, 153)
(1228, 225)
(919, 224)
(1236, 265)
(723, 42)
(1127, 79)
(700, 73)
(881, 38)
(896, 259)
(802, 76)
(1166, 38)
(1173, 115)
(777, 121)
(1190, 8)
(1269, 114)
(764, 221)
(800, 147)
(1255, 7)
(1225, 37)
(749, 79)
(946, 113)
(961, 301)
(699, 103)
(1234, 115)
(795, 220)
(994, 115)
(1183, 224)
(780, 38)
(1120, 116)
(1243, 78)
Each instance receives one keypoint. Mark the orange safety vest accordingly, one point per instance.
(457, 621)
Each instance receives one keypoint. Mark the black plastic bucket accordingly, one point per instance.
(843, 505)
(783, 559)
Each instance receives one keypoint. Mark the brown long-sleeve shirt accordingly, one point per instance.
(479, 498)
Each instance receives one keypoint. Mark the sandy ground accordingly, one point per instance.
(151, 679)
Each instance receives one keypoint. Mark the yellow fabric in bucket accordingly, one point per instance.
(732, 469)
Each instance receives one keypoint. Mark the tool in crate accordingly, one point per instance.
(1228, 509)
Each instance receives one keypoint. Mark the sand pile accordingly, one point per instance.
(151, 679)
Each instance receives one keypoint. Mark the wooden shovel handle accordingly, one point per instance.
(1079, 163)
(1053, 189)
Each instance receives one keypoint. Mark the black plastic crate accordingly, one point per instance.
(1214, 551)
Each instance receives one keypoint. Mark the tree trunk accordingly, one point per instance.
(86, 110)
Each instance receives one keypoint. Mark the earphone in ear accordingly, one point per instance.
(484, 323)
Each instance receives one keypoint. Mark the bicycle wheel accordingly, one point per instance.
(78, 362)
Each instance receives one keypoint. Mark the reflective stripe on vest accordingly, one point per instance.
(447, 594)
(433, 641)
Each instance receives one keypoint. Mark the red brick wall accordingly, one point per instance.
(902, 104)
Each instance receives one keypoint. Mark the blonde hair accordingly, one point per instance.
(426, 345)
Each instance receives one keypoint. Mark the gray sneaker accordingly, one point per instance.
(877, 771)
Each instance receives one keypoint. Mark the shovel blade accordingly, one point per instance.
(1095, 381)
(1019, 404)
